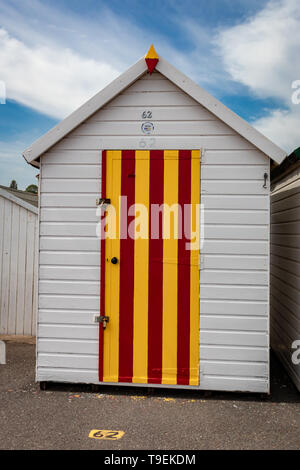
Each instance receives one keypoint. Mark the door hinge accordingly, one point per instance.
(101, 319)
(201, 261)
(103, 201)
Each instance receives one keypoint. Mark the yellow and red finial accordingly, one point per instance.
(151, 59)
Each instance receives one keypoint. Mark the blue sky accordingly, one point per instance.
(54, 55)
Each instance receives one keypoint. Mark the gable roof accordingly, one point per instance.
(238, 124)
(24, 199)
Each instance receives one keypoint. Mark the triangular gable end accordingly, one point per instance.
(201, 96)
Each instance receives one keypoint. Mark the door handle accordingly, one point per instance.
(114, 260)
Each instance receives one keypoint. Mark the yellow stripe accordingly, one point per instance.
(112, 273)
(195, 282)
(151, 54)
(141, 265)
(170, 256)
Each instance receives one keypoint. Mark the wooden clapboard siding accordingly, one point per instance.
(285, 271)
(18, 273)
(234, 281)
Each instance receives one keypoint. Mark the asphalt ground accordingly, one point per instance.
(158, 419)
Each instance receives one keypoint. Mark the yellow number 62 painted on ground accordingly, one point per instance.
(106, 434)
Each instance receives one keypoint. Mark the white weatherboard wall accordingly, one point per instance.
(18, 268)
(234, 337)
(285, 271)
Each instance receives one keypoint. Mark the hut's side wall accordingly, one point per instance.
(234, 339)
(18, 273)
(285, 273)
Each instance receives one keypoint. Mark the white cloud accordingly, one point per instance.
(53, 60)
(263, 54)
(282, 126)
(52, 80)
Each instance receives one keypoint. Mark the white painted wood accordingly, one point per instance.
(69, 200)
(236, 232)
(234, 322)
(159, 113)
(29, 291)
(232, 338)
(236, 247)
(233, 187)
(71, 171)
(70, 346)
(88, 157)
(233, 307)
(214, 276)
(234, 157)
(75, 302)
(5, 288)
(143, 142)
(73, 273)
(2, 353)
(236, 172)
(233, 292)
(70, 258)
(285, 271)
(234, 277)
(230, 353)
(70, 287)
(69, 244)
(18, 247)
(192, 92)
(21, 274)
(13, 277)
(73, 185)
(235, 217)
(173, 128)
(69, 215)
(80, 229)
(238, 201)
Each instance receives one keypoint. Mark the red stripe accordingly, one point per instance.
(183, 335)
(156, 196)
(126, 270)
(102, 264)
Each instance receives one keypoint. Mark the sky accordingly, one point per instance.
(56, 54)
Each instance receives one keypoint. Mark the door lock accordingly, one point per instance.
(102, 319)
(102, 202)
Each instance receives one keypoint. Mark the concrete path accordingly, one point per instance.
(63, 416)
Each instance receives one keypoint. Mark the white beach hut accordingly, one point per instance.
(18, 262)
(285, 264)
(145, 310)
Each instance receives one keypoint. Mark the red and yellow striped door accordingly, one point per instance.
(151, 294)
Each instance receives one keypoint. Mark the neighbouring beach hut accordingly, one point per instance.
(285, 264)
(146, 309)
(18, 261)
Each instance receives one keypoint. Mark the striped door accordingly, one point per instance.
(151, 294)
